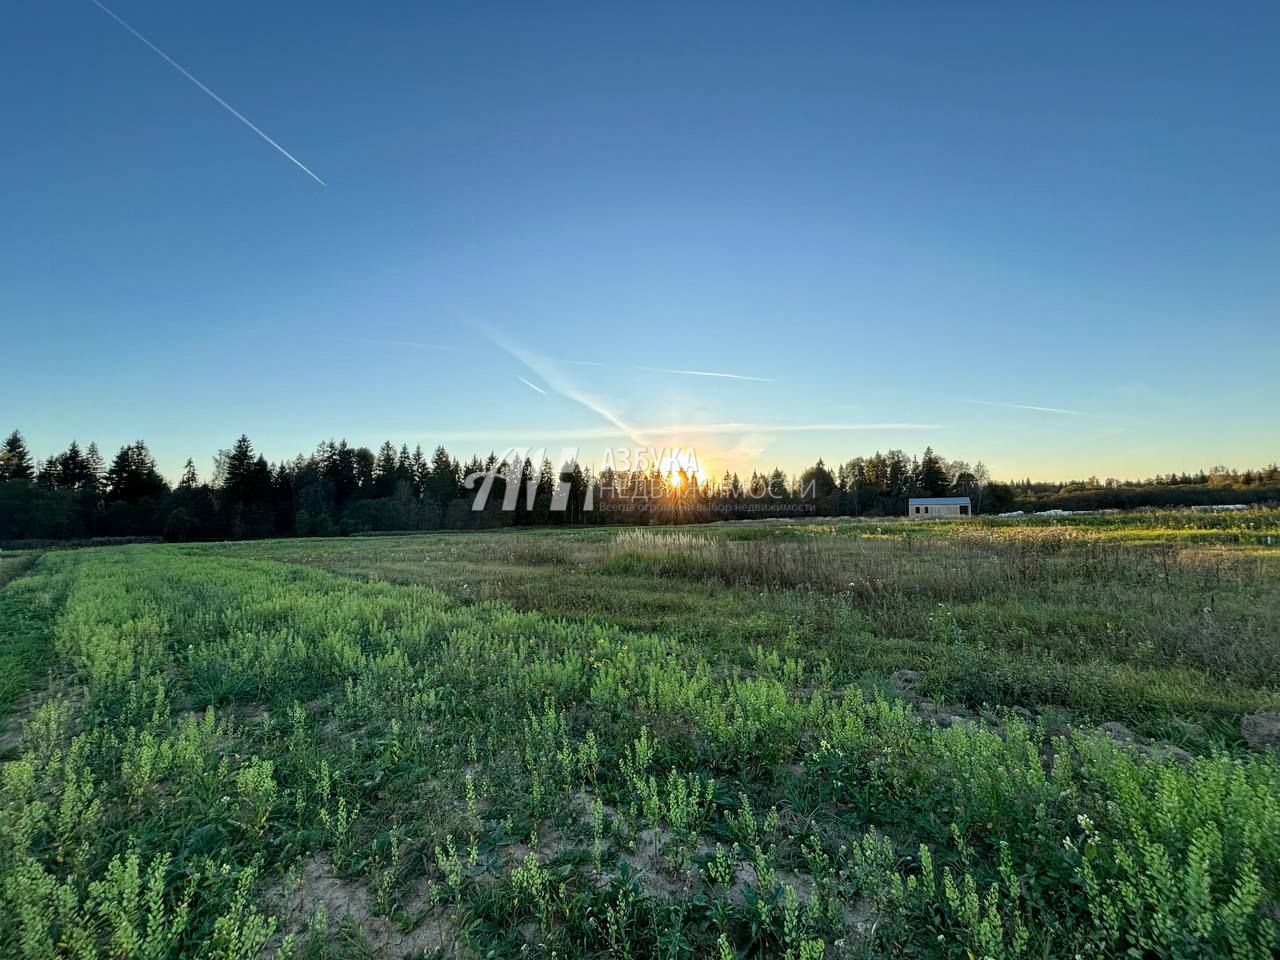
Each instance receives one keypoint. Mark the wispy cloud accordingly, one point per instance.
(1028, 406)
(708, 373)
(230, 109)
(668, 430)
(740, 427)
(552, 373)
(531, 386)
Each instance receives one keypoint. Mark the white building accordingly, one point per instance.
(928, 507)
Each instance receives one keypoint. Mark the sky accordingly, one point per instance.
(1044, 238)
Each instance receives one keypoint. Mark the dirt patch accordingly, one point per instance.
(1151, 749)
(255, 712)
(24, 709)
(658, 876)
(313, 885)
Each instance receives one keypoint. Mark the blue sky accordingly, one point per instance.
(883, 212)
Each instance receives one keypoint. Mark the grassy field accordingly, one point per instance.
(859, 739)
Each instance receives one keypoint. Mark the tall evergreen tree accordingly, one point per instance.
(446, 481)
(547, 479)
(420, 471)
(384, 470)
(95, 467)
(404, 466)
(73, 469)
(47, 478)
(133, 476)
(931, 475)
(15, 459)
(236, 468)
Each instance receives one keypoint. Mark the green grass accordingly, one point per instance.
(671, 744)
(1084, 616)
(26, 613)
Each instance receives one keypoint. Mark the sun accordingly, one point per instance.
(675, 480)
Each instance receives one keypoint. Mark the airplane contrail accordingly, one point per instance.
(552, 373)
(1027, 406)
(232, 110)
(670, 429)
(531, 386)
(708, 373)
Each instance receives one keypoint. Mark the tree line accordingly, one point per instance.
(343, 489)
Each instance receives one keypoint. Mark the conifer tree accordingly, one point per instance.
(419, 471)
(95, 466)
(236, 467)
(133, 475)
(931, 475)
(15, 459)
(73, 469)
(384, 470)
(445, 481)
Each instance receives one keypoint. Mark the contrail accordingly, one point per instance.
(708, 373)
(669, 429)
(1027, 406)
(232, 110)
(531, 386)
(553, 374)
(735, 427)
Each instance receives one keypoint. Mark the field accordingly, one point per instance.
(983, 739)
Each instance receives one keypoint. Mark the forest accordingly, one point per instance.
(343, 489)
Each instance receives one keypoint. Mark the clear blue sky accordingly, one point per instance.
(884, 211)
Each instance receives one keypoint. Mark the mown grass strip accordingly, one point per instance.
(28, 607)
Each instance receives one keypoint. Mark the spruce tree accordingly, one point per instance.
(446, 480)
(73, 469)
(931, 475)
(384, 470)
(15, 459)
(237, 467)
(133, 475)
(419, 471)
(404, 466)
(95, 466)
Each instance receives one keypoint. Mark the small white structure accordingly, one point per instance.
(930, 507)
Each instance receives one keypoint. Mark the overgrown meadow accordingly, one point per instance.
(974, 740)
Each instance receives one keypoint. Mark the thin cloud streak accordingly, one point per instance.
(736, 427)
(531, 386)
(230, 109)
(585, 433)
(708, 373)
(1028, 406)
(551, 372)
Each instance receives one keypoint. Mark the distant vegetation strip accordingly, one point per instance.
(342, 489)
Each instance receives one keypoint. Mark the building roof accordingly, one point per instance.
(939, 501)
